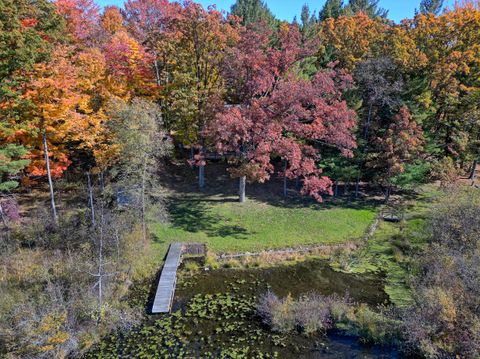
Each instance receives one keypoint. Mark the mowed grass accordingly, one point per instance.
(230, 227)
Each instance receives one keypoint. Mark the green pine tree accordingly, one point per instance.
(370, 7)
(331, 9)
(11, 163)
(431, 6)
(252, 11)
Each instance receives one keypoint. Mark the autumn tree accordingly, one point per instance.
(399, 145)
(137, 131)
(130, 66)
(28, 31)
(352, 39)
(272, 113)
(450, 78)
(112, 19)
(193, 83)
(82, 18)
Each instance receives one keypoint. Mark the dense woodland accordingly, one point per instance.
(105, 96)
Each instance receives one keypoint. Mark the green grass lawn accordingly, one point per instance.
(229, 227)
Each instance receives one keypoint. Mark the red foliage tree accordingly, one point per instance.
(82, 18)
(278, 114)
(289, 123)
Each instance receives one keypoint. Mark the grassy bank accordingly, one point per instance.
(393, 247)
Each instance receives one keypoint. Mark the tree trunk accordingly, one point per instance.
(357, 187)
(388, 192)
(102, 182)
(367, 125)
(144, 225)
(201, 177)
(241, 190)
(346, 187)
(285, 180)
(3, 216)
(90, 198)
(157, 71)
(297, 183)
(49, 175)
(336, 189)
(473, 172)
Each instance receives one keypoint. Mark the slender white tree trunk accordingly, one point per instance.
(241, 189)
(157, 71)
(90, 198)
(49, 175)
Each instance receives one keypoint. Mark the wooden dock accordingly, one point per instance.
(168, 280)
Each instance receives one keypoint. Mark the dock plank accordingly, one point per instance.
(168, 280)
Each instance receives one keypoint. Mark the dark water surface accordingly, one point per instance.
(303, 278)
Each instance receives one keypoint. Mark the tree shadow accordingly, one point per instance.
(194, 215)
(181, 180)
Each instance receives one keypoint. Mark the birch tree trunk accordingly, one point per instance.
(49, 175)
(241, 190)
(90, 198)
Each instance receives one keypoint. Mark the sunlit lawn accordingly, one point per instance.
(227, 226)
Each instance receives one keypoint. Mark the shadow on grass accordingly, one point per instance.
(181, 180)
(194, 215)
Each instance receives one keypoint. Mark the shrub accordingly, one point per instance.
(315, 313)
(444, 320)
(310, 314)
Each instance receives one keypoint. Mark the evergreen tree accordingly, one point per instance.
(370, 7)
(11, 163)
(308, 19)
(331, 9)
(252, 11)
(431, 6)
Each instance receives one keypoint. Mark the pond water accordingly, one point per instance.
(302, 278)
(214, 316)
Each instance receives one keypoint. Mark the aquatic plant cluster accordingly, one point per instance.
(317, 314)
(210, 326)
